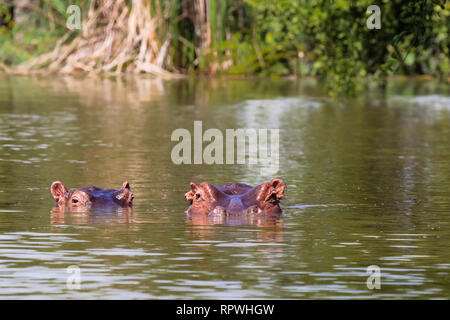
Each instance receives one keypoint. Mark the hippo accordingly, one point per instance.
(89, 198)
(233, 199)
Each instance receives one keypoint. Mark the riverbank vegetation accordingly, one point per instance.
(322, 38)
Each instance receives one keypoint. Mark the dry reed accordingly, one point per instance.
(114, 38)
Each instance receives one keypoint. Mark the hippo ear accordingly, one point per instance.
(278, 188)
(58, 191)
(126, 185)
(272, 191)
(190, 195)
(125, 194)
(194, 187)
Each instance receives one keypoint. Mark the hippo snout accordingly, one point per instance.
(235, 206)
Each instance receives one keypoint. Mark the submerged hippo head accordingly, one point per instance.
(236, 198)
(91, 197)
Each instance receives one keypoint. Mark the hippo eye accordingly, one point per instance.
(74, 200)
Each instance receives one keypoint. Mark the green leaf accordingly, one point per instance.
(60, 6)
(395, 40)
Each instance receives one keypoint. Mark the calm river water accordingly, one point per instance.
(368, 184)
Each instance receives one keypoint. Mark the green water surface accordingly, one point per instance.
(368, 184)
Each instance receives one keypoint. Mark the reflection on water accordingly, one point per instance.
(367, 184)
(59, 215)
(260, 220)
